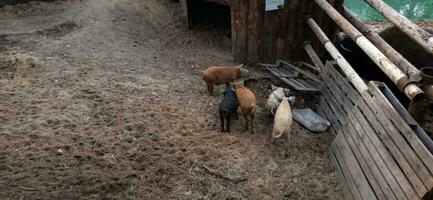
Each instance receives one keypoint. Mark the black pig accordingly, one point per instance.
(228, 107)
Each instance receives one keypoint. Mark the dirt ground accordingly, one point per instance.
(102, 99)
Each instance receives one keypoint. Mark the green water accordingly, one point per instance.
(413, 9)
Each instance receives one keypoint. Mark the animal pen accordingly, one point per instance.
(380, 149)
(264, 36)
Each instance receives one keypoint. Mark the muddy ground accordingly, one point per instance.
(102, 99)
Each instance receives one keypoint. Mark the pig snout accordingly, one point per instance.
(244, 73)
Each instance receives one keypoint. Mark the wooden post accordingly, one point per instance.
(411, 71)
(253, 28)
(313, 56)
(184, 6)
(422, 37)
(351, 74)
(389, 68)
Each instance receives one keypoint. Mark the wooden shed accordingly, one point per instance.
(260, 34)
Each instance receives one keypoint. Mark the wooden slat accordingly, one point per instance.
(355, 169)
(335, 122)
(303, 72)
(321, 112)
(285, 73)
(371, 171)
(243, 29)
(346, 193)
(298, 86)
(415, 182)
(377, 157)
(295, 84)
(308, 65)
(375, 162)
(268, 65)
(334, 126)
(351, 185)
(336, 108)
(303, 83)
(407, 188)
(235, 23)
(299, 83)
(254, 27)
(402, 111)
(411, 165)
(367, 163)
(282, 70)
(308, 84)
(400, 123)
(279, 74)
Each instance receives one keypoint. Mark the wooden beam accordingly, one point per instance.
(421, 36)
(389, 68)
(411, 71)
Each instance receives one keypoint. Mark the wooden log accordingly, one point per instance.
(421, 36)
(405, 66)
(342, 62)
(391, 70)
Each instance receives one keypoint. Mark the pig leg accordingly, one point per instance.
(210, 89)
(252, 123)
(235, 114)
(222, 121)
(246, 122)
(228, 123)
(288, 145)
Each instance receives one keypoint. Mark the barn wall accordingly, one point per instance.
(259, 36)
(266, 36)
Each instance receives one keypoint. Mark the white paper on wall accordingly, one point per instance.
(273, 4)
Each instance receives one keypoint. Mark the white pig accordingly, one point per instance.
(283, 122)
(274, 100)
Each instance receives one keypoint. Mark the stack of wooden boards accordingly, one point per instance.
(376, 151)
(302, 77)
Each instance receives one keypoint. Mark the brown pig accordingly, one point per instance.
(217, 75)
(247, 103)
